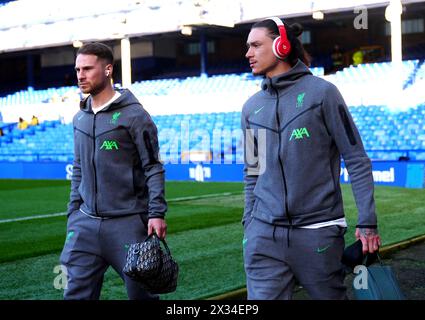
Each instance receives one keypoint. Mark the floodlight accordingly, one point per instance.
(186, 30)
(77, 44)
(318, 15)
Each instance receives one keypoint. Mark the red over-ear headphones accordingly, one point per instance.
(281, 45)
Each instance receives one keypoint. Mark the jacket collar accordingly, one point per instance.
(285, 80)
(126, 98)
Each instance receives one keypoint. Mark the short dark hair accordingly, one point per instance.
(100, 50)
(292, 32)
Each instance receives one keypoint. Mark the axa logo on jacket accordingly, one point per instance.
(299, 133)
(109, 145)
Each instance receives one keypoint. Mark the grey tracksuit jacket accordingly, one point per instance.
(116, 170)
(307, 127)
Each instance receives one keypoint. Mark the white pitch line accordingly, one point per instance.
(212, 195)
(170, 200)
(34, 217)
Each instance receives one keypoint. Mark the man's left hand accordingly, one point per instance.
(158, 226)
(369, 238)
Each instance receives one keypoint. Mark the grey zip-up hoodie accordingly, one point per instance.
(116, 163)
(307, 128)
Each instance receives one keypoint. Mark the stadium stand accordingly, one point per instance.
(368, 84)
(218, 83)
(387, 134)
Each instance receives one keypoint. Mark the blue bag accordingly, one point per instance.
(381, 283)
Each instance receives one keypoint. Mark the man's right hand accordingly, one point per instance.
(370, 239)
(159, 226)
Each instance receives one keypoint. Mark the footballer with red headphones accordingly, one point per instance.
(272, 34)
(296, 129)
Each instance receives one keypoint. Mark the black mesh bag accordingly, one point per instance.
(151, 266)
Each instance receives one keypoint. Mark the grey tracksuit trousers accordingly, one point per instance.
(275, 256)
(92, 245)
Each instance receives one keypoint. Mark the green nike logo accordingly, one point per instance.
(321, 250)
(256, 111)
(244, 241)
(69, 236)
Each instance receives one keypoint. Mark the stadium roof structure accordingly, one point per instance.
(28, 24)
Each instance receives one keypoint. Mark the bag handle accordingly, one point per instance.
(378, 257)
(153, 234)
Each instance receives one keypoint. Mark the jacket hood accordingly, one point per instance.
(126, 98)
(287, 79)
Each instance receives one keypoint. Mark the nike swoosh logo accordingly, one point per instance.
(256, 111)
(321, 250)
(69, 236)
(79, 118)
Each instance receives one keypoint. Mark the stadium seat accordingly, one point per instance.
(381, 128)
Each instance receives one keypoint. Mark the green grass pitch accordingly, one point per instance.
(204, 235)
